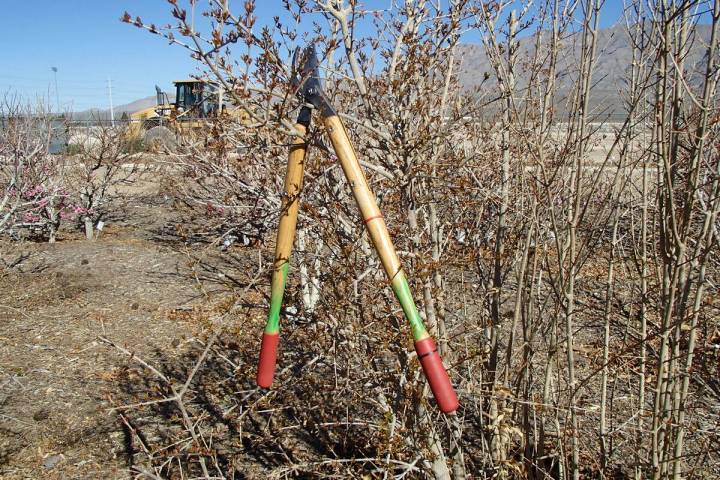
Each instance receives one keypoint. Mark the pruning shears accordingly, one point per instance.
(306, 81)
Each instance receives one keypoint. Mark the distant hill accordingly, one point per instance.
(614, 57)
(104, 114)
(609, 77)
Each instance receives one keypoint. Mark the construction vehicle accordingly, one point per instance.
(196, 101)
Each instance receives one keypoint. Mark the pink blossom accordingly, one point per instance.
(30, 217)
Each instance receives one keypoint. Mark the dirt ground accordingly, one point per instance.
(55, 374)
(140, 286)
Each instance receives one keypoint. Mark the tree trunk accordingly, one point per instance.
(89, 230)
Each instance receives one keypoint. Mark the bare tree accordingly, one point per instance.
(103, 161)
(563, 257)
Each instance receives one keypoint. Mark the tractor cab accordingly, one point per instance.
(196, 99)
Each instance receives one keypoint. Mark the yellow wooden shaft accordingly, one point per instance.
(363, 196)
(291, 199)
(286, 229)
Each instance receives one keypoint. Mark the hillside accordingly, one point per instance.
(610, 74)
(104, 114)
(614, 59)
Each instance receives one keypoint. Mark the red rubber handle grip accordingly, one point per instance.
(268, 357)
(436, 375)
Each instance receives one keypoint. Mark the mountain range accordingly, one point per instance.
(611, 70)
(614, 57)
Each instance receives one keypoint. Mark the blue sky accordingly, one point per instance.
(88, 44)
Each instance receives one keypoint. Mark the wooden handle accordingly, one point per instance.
(372, 217)
(283, 248)
(291, 199)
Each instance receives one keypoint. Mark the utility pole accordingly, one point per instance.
(112, 112)
(221, 93)
(57, 95)
(192, 17)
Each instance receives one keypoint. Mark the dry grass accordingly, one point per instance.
(56, 377)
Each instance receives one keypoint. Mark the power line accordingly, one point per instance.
(75, 82)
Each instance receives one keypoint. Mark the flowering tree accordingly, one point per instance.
(34, 197)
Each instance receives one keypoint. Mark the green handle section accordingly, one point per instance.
(427, 352)
(402, 292)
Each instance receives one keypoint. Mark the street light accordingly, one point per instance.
(57, 95)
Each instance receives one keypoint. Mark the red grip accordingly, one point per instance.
(436, 375)
(268, 356)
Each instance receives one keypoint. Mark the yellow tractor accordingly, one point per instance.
(196, 101)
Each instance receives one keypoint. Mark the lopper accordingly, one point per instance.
(307, 83)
